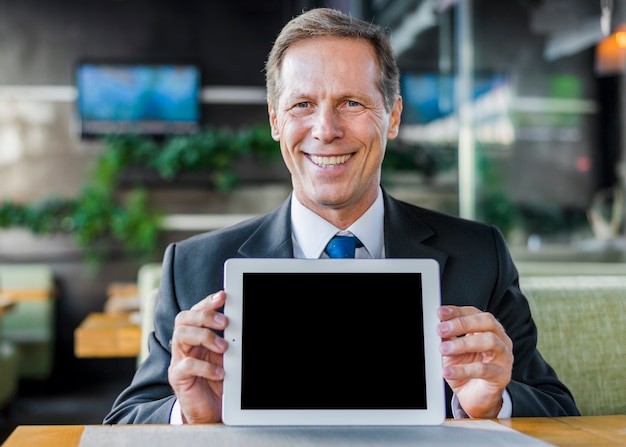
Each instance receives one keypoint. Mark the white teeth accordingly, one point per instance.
(327, 162)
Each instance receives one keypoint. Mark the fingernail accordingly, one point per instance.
(219, 318)
(215, 297)
(445, 311)
(219, 372)
(445, 347)
(444, 328)
(221, 343)
(448, 373)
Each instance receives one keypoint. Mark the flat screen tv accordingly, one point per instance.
(157, 99)
(429, 96)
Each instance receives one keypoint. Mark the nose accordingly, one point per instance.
(327, 125)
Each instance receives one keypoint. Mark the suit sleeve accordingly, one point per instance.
(535, 389)
(149, 398)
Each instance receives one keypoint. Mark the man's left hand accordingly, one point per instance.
(477, 358)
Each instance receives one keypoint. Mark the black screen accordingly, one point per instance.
(348, 341)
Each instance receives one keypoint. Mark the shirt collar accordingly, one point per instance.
(311, 233)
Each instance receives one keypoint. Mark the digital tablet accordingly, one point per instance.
(332, 342)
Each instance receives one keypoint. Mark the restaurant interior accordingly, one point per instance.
(513, 116)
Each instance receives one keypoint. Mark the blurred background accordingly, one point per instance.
(513, 115)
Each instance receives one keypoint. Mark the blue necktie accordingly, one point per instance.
(342, 246)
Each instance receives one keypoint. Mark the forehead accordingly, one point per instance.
(348, 50)
(329, 61)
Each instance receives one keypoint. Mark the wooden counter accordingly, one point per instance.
(107, 335)
(5, 305)
(587, 431)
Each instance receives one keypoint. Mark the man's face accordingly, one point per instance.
(332, 125)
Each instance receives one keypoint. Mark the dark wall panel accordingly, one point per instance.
(40, 40)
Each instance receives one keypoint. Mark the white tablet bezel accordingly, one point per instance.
(233, 414)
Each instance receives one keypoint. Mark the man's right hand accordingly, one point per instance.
(196, 369)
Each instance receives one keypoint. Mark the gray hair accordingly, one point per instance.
(329, 22)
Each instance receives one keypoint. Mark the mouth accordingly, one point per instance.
(329, 162)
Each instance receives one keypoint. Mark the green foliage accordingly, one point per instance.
(493, 205)
(426, 159)
(101, 215)
(43, 217)
(214, 151)
(131, 226)
(98, 215)
(122, 152)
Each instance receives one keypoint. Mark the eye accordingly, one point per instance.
(353, 103)
(302, 105)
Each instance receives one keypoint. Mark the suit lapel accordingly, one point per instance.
(272, 238)
(406, 234)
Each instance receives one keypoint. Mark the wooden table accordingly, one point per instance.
(107, 335)
(583, 431)
(5, 304)
(35, 294)
(587, 431)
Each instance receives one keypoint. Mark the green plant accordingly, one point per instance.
(213, 151)
(423, 158)
(98, 215)
(93, 218)
(44, 217)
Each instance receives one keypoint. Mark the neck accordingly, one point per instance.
(344, 215)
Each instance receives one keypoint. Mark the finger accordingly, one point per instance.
(446, 313)
(488, 344)
(201, 317)
(203, 313)
(187, 337)
(490, 372)
(191, 367)
(212, 301)
(468, 322)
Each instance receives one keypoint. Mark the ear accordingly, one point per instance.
(273, 122)
(394, 120)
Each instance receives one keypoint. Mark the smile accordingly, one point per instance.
(327, 162)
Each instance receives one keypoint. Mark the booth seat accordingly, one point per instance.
(148, 278)
(569, 268)
(9, 364)
(580, 320)
(30, 325)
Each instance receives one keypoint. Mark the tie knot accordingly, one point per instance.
(342, 246)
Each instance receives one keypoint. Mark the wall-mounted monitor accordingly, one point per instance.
(158, 99)
(429, 96)
(430, 111)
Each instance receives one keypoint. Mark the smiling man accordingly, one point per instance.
(333, 122)
(334, 102)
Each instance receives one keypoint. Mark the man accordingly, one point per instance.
(333, 102)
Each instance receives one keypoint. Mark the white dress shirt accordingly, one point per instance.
(310, 235)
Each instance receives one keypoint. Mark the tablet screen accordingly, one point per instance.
(346, 337)
(332, 342)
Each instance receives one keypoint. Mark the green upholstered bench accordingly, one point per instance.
(569, 268)
(581, 320)
(9, 364)
(30, 326)
(148, 279)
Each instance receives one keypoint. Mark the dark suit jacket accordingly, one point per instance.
(476, 270)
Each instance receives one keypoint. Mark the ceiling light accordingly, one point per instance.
(611, 53)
